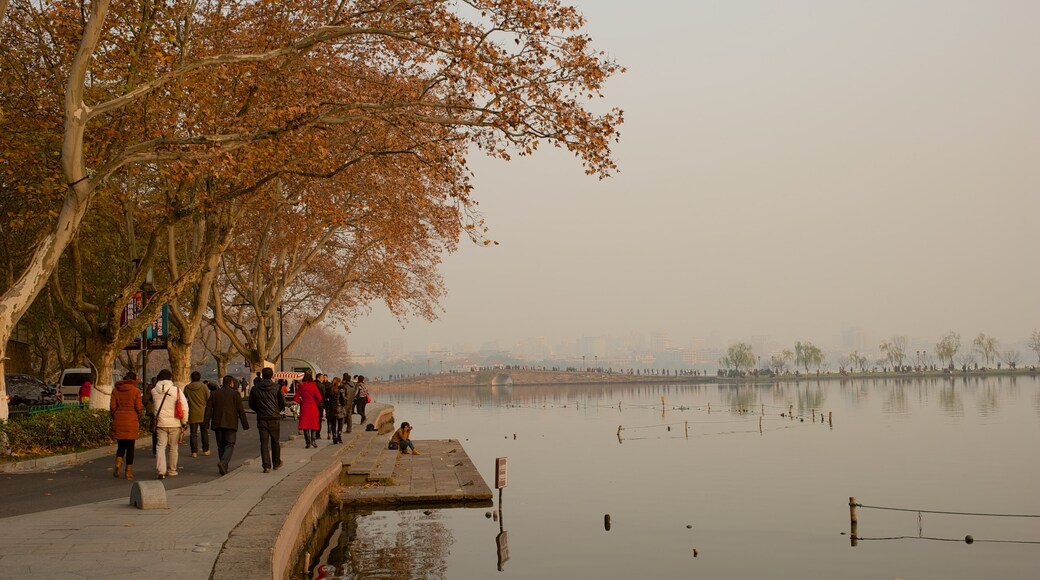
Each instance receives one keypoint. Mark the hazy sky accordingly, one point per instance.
(787, 168)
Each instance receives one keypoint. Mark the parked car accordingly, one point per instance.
(71, 380)
(29, 390)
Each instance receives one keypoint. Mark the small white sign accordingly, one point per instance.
(500, 472)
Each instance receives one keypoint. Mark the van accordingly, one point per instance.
(71, 380)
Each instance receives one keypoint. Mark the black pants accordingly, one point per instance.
(225, 445)
(125, 447)
(360, 403)
(270, 448)
(321, 416)
(335, 428)
(196, 430)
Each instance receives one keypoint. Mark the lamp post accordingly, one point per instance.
(281, 341)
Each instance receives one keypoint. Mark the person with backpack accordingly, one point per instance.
(170, 408)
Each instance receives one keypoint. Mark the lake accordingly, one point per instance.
(693, 493)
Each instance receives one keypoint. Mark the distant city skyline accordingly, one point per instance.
(787, 170)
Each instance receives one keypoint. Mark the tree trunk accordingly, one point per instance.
(180, 362)
(4, 411)
(101, 393)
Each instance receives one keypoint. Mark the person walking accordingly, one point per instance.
(223, 413)
(334, 403)
(323, 386)
(168, 402)
(267, 401)
(125, 408)
(361, 399)
(198, 395)
(84, 393)
(309, 399)
(349, 394)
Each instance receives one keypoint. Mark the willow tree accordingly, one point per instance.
(150, 84)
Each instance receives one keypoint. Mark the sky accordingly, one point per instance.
(787, 169)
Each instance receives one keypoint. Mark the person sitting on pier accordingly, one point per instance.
(402, 439)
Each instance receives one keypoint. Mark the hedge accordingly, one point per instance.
(64, 431)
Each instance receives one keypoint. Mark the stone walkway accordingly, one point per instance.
(211, 529)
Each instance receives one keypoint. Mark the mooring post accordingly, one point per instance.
(760, 425)
(853, 522)
(687, 429)
(814, 415)
(830, 418)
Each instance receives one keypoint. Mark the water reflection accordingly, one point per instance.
(729, 489)
(386, 544)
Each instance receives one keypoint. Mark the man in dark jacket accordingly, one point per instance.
(323, 386)
(223, 412)
(349, 393)
(266, 400)
(197, 394)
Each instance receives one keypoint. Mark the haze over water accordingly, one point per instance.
(787, 169)
(769, 505)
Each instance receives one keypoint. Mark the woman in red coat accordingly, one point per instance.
(309, 397)
(125, 408)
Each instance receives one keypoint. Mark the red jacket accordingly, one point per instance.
(309, 397)
(126, 408)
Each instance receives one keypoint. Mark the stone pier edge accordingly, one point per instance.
(289, 513)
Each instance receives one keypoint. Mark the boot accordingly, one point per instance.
(129, 472)
(118, 468)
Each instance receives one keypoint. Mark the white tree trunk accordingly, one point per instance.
(101, 392)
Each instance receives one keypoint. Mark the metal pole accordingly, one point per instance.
(281, 340)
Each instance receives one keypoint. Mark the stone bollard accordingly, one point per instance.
(148, 495)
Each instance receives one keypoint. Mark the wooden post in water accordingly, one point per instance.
(760, 425)
(709, 408)
(830, 418)
(790, 411)
(814, 415)
(687, 429)
(853, 523)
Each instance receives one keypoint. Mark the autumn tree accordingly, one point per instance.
(233, 88)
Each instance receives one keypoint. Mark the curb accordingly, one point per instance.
(60, 461)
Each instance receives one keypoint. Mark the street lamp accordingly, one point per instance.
(281, 341)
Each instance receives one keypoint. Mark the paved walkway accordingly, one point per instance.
(110, 539)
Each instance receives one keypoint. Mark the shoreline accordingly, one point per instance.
(535, 377)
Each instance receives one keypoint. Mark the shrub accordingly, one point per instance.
(58, 431)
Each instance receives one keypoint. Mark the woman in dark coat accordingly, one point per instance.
(309, 397)
(334, 402)
(125, 407)
(362, 399)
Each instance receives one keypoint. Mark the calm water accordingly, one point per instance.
(769, 505)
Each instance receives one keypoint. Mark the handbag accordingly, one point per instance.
(369, 399)
(155, 417)
(178, 408)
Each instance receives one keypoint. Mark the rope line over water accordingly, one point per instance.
(895, 509)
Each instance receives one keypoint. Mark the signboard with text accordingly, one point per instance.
(500, 472)
(157, 333)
